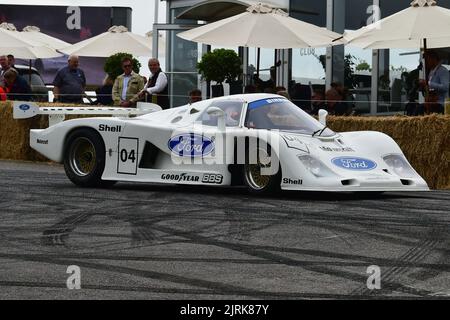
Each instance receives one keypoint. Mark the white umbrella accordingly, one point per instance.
(423, 25)
(116, 39)
(13, 42)
(33, 33)
(261, 26)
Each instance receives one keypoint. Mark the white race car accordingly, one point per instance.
(262, 141)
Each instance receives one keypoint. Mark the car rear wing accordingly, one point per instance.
(25, 110)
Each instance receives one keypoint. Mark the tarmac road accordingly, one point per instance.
(143, 241)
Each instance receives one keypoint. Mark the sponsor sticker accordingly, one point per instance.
(40, 141)
(180, 177)
(212, 178)
(191, 145)
(354, 163)
(292, 181)
(106, 128)
(335, 149)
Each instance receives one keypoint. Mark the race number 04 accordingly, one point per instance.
(127, 155)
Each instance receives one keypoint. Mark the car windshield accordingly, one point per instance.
(281, 114)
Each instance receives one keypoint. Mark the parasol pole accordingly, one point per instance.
(258, 57)
(29, 72)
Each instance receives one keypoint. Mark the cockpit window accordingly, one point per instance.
(281, 114)
(232, 109)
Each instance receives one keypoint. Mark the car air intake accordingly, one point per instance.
(349, 182)
(406, 182)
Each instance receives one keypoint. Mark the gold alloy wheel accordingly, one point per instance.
(82, 157)
(253, 171)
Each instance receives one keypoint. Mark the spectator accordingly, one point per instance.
(17, 87)
(437, 84)
(127, 86)
(301, 96)
(4, 64)
(332, 98)
(412, 108)
(250, 88)
(2, 94)
(157, 88)
(69, 83)
(318, 102)
(195, 96)
(269, 85)
(104, 93)
(11, 60)
(284, 93)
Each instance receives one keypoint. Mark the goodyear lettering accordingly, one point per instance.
(183, 177)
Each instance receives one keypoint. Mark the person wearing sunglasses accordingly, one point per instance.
(127, 86)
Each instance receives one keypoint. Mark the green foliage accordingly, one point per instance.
(349, 75)
(113, 64)
(220, 65)
(363, 66)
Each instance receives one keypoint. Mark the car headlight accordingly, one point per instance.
(315, 166)
(399, 165)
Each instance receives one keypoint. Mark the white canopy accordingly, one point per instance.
(13, 42)
(261, 26)
(406, 29)
(116, 39)
(33, 33)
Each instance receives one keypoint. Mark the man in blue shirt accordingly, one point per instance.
(437, 84)
(70, 83)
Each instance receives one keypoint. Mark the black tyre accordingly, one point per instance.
(84, 158)
(256, 180)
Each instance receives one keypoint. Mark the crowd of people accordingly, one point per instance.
(12, 85)
(69, 84)
(129, 88)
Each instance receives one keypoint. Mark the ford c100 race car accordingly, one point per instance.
(262, 141)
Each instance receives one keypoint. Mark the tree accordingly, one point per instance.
(220, 65)
(363, 66)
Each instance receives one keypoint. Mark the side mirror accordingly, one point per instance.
(220, 114)
(323, 116)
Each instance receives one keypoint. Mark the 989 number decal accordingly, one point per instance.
(212, 178)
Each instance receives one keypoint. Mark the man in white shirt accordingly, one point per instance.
(156, 89)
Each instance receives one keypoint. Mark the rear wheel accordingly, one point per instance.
(263, 174)
(84, 158)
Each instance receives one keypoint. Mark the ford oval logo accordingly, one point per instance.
(191, 145)
(24, 107)
(353, 163)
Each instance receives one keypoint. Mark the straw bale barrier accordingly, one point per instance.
(424, 140)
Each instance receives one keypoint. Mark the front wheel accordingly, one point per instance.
(84, 158)
(263, 174)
